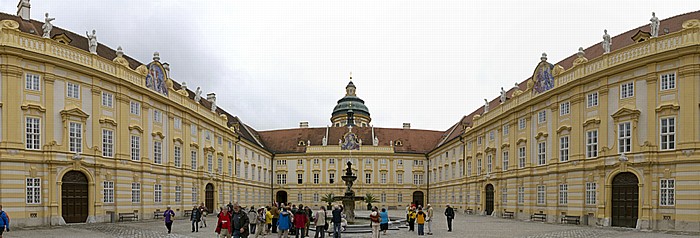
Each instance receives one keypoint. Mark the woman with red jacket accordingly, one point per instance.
(223, 225)
(300, 219)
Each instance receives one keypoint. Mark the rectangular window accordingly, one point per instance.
(33, 133)
(220, 164)
(73, 90)
(506, 129)
(368, 178)
(382, 198)
(521, 195)
(504, 195)
(245, 171)
(281, 179)
(316, 198)
(317, 178)
(158, 193)
(219, 141)
(331, 161)
(542, 153)
(399, 197)
(238, 169)
(564, 108)
(193, 132)
(331, 178)
(178, 156)
(135, 192)
(230, 168)
(492, 135)
(667, 192)
(107, 143)
(157, 116)
(193, 159)
(107, 99)
(135, 108)
(135, 148)
(521, 157)
(177, 124)
(399, 178)
(505, 160)
(592, 144)
(668, 133)
(300, 178)
(194, 195)
(418, 179)
(316, 161)
(418, 163)
(479, 140)
(522, 122)
(178, 193)
(590, 193)
(541, 117)
(624, 137)
(564, 148)
(478, 166)
(300, 197)
(33, 190)
(469, 168)
(489, 163)
(627, 90)
(382, 178)
(382, 161)
(592, 100)
(399, 162)
(563, 194)
(299, 161)
(541, 193)
(32, 82)
(210, 163)
(108, 190)
(668, 81)
(158, 152)
(76, 137)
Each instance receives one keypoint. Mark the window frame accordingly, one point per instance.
(624, 140)
(522, 157)
(669, 191)
(135, 192)
(72, 90)
(592, 144)
(564, 148)
(565, 108)
(107, 99)
(75, 140)
(591, 193)
(669, 135)
(157, 152)
(542, 117)
(108, 143)
(563, 194)
(32, 82)
(667, 81)
(135, 108)
(32, 133)
(627, 90)
(542, 153)
(33, 191)
(108, 191)
(592, 99)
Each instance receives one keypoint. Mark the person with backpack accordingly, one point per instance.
(384, 224)
(374, 220)
(284, 223)
(239, 222)
(168, 215)
(411, 219)
(420, 219)
(320, 222)
(4, 222)
(300, 222)
(194, 218)
(450, 214)
(261, 221)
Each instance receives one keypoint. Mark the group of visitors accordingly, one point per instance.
(422, 217)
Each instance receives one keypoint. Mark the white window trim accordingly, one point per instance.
(75, 140)
(32, 133)
(667, 190)
(592, 100)
(626, 87)
(541, 117)
(107, 143)
(670, 144)
(622, 147)
(32, 82)
(564, 144)
(107, 99)
(668, 80)
(591, 147)
(564, 108)
(108, 190)
(33, 190)
(70, 92)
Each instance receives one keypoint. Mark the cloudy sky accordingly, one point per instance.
(275, 63)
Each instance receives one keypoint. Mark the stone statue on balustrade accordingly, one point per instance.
(197, 94)
(654, 25)
(47, 27)
(503, 95)
(486, 105)
(92, 41)
(607, 42)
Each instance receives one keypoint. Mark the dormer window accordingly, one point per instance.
(301, 143)
(398, 143)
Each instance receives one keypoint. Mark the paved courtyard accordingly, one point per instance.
(464, 226)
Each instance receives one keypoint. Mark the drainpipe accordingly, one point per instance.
(272, 179)
(427, 190)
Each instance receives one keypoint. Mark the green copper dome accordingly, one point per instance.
(350, 102)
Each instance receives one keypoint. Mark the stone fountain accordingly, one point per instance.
(349, 198)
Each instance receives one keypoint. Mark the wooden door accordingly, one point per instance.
(625, 200)
(489, 199)
(418, 198)
(209, 197)
(74, 197)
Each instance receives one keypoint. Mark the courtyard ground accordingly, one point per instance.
(463, 226)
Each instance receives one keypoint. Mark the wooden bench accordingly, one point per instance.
(128, 215)
(157, 214)
(571, 219)
(469, 211)
(188, 213)
(540, 216)
(507, 214)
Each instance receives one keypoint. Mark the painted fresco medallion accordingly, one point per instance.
(155, 79)
(351, 142)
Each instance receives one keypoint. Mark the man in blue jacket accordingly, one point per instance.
(285, 222)
(4, 222)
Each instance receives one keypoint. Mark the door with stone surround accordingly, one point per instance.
(489, 199)
(625, 200)
(74, 197)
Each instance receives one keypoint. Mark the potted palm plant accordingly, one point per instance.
(369, 199)
(328, 199)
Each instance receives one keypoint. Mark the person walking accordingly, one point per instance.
(239, 222)
(223, 225)
(194, 217)
(168, 216)
(261, 221)
(420, 219)
(275, 217)
(253, 218)
(4, 222)
(320, 222)
(450, 214)
(204, 211)
(300, 222)
(411, 219)
(384, 224)
(268, 219)
(309, 215)
(429, 218)
(374, 220)
(337, 220)
(284, 222)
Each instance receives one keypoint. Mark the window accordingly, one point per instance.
(331, 161)
(157, 193)
(521, 157)
(368, 161)
(282, 162)
(135, 108)
(32, 82)
(399, 197)
(33, 190)
(479, 140)
(135, 192)
(107, 99)
(418, 163)
(194, 195)
(158, 152)
(542, 153)
(504, 195)
(506, 129)
(316, 199)
(72, 90)
(210, 162)
(220, 164)
(521, 195)
(230, 167)
(157, 116)
(331, 178)
(238, 169)
(281, 179)
(193, 132)
(399, 162)
(668, 133)
(299, 161)
(300, 178)
(259, 173)
(564, 108)
(193, 159)
(563, 194)
(300, 197)
(489, 163)
(76, 137)
(461, 168)
(522, 123)
(245, 171)
(207, 135)
(478, 166)
(590, 193)
(667, 192)
(668, 81)
(107, 143)
(316, 160)
(135, 148)
(177, 124)
(540, 194)
(626, 90)
(382, 198)
(505, 160)
(316, 178)
(418, 179)
(399, 178)
(368, 178)
(108, 190)
(541, 117)
(492, 135)
(382, 161)
(564, 148)
(178, 156)
(382, 178)
(178, 193)
(624, 137)
(592, 144)
(33, 133)
(220, 141)
(592, 100)
(469, 168)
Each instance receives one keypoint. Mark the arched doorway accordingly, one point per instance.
(281, 197)
(209, 197)
(418, 198)
(489, 199)
(625, 200)
(74, 197)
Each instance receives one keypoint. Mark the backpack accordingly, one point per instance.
(6, 215)
(374, 218)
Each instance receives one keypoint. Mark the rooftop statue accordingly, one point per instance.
(607, 42)
(486, 105)
(654, 25)
(503, 95)
(47, 27)
(92, 40)
(197, 94)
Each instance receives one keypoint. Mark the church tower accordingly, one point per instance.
(350, 106)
